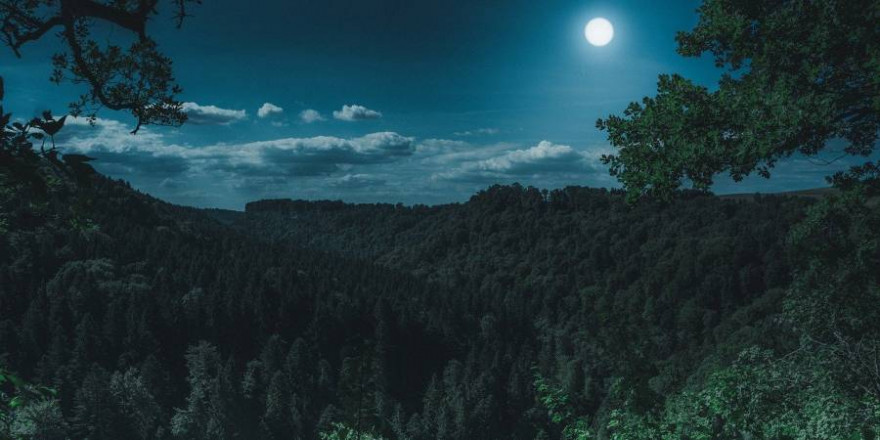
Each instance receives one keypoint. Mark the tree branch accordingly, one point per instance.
(36, 34)
(144, 75)
(135, 22)
(83, 65)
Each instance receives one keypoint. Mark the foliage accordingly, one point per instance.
(28, 411)
(800, 77)
(339, 431)
(560, 410)
(137, 79)
(205, 415)
(797, 75)
(20, 164)
(839, 248)
(759, 396)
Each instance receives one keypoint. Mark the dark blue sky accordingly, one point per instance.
(386, 100)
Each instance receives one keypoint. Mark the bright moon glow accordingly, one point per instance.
(599, 31)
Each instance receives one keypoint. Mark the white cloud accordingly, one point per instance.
(478, 132)
(118, 152)
(544, 158)
(433, 147)
(356, 113)
(356, 181)
(105, 134)
(542, 155)
(383, 166)
(309, 156)
(268, 109)
(309, 115)
(211, 115)
(447, 153)
(149, 152)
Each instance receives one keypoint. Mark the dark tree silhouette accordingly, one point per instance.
(137, 79)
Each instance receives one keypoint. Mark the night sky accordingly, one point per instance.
(385, 100)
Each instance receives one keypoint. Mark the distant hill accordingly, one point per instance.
(814, 193)
(397, 234)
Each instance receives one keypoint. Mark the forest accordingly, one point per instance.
(458, 321)
(645, 312)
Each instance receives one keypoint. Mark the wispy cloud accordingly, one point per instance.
(544, 158)
(478, 132)
(433, 147)
(211, 115)
(356, 181)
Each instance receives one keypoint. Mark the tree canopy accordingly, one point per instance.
(797, 75)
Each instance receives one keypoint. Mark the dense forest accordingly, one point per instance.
(468, 320)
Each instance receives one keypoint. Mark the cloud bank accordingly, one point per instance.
(382, 166)
(307, 156)
(148, 153)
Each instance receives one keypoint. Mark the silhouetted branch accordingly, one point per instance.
(138, 80)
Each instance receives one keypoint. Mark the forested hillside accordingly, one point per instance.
(152, 321)
(574, 235)
(460, 321)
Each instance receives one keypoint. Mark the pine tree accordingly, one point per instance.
(142, 414)
(96, 413)
(275, 418)
(204, 416)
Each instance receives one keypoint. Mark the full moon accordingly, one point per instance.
(599, 31)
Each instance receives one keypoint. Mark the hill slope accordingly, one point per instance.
(424, 322)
